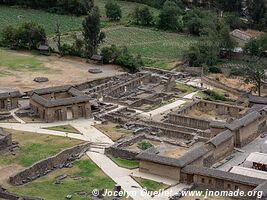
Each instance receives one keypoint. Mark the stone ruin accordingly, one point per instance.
(5, 139)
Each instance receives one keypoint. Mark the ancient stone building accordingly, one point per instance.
(9, 99)
(5, 139)
(59, 103)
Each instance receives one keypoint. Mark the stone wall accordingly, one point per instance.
(11, 196)
(222, 86)
(45, 166)
(59, 113)
(188, 121)
(5, 139)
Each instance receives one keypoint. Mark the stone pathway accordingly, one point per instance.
(120, 175)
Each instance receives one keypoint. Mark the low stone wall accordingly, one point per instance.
(43, 167)
(5, 139)
(189, 121)
(11, 196)
(222, 86)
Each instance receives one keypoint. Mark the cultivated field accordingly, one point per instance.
(16, 16)
(158, 48)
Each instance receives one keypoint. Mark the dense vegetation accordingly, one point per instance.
(75, 7)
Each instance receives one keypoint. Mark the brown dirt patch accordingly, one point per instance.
(7, 171)
(60, 71)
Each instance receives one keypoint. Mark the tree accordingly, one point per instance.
(58, 38)
(226, 42)
(170, 17)
(234, 21)
(203, 54)
(26, 36)
(113, 11)
(143, 16)
(254, 73)
(256, 46)
(257, 9)
(229, 5)
(92, 34)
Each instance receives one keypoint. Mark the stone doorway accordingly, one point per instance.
(69, 113)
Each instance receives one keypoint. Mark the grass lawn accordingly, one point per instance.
(64, 128)
(150, 185)
(34, 147)
(91, 177)
(10, 61)
(214, 95)
(185, 88)
(112, 131)
(129, 164)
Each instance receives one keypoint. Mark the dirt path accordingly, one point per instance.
(7, 171)
(59, 71)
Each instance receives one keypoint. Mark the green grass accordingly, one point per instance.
(214, 95)
(126, 7)
(35, 147)
(156, 47)
(16, 16)
(129, 164)
(19, 62)
(10, 16)
(64, 128)
(92, 177)
(150, 185)
(150, 44)
(185, 88)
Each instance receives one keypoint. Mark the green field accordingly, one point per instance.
(153, 45)
(158, 48)
(17, 16)
(19, 62)
(35, 147)
(91, 177)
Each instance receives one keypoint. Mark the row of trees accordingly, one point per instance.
(75, 7)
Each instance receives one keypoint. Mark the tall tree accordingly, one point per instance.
(92, 34)
(169, 18)
(254, 73)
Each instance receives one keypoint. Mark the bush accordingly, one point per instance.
(113, 11)
(144, 145)
(236, 71)
(143, 16)
(75, 7)
(26, 36)
(121, 57)
(215, 70)
(212, 95)
(202, 54)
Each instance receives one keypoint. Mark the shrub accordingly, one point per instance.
(213, 95)
(121, 57)
(215, 70)
(144, 145)
(143, 16)
(113, 11)
(236, 71)
(26, 36)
